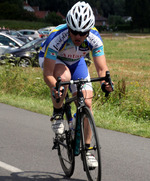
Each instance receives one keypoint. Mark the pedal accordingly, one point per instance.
(55, 146)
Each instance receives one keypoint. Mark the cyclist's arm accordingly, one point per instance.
(100, 61)
(49, 65)
(101, 65)
(48, 70)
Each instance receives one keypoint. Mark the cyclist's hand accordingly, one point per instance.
(57, 94)
(106, 87)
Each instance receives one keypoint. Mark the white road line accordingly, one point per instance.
(9, 167)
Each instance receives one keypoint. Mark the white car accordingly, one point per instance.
(48, 28)
(8, 43)
(17, 35)
(30, 33)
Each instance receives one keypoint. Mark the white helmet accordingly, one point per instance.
(80, 17)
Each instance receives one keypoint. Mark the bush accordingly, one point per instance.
(124, 27)
(17, 25)
(115, 20)
(54, 19)
(26, 82)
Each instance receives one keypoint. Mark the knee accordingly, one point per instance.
(63, 72)
(66, 76)
(88, 102)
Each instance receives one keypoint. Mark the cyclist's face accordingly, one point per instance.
(77, 39)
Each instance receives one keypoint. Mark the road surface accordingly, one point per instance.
(26, 151)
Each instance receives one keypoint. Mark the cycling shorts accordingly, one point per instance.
(78, 70)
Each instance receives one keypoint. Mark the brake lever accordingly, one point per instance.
(108, 79)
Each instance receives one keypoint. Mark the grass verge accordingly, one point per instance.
(128, 108)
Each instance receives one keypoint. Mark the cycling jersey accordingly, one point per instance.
(59, 45)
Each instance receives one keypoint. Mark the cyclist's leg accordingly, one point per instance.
(63, 142)
(61, 70)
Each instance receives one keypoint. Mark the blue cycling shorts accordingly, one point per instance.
(78, 70)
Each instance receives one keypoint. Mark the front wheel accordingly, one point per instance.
(65, 152)
(89, 134)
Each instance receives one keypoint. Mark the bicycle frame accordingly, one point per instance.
(80, 104)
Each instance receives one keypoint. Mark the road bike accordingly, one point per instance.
(69, 145)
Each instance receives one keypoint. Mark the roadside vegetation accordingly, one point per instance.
(126, 110)
(16, 24)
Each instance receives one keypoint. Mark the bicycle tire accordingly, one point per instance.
(93, 174)
(65, 152)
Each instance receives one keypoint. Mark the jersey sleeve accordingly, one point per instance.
(56, 41)
(51, 54)
(98, 51)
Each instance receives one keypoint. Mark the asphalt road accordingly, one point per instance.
(26, 154)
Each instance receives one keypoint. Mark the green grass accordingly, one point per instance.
(42, 106)
(128, 108)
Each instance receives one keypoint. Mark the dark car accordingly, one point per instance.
(28, 53)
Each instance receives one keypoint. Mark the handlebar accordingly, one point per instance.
(83, 81)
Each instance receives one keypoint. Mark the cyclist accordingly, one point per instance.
(63, 54)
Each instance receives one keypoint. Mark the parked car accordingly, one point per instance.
(48, 28)
(43, 33)
(8, 43)
(30, 33)
(18, 35)
(28, 53)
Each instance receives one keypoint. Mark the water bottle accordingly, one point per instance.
(71, 127)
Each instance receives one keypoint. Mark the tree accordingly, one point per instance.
(15, 11)
(17, 2)
(113, 7)
(140, 12)
(7, 9)
(119, 7)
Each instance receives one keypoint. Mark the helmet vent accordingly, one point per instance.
(73, 10)
(80, 21)
(85, 10)
(76, 15)
(86, 24)
(85, 17)
(79, 9)
(73, 22)
(89, 13)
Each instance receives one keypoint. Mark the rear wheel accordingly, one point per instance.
(24, 62)
(65, 152)
(93, 173)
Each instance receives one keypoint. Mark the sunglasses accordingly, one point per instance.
(79, 33)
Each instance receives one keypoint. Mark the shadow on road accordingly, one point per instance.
(36, 176)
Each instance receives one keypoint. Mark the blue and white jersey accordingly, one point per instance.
(59, 45)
